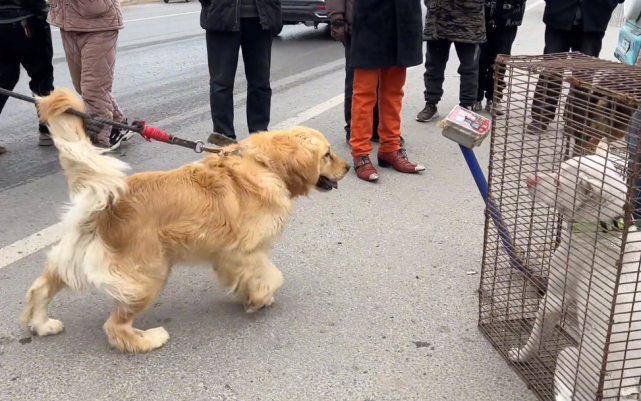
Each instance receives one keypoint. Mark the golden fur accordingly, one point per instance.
(122, 235)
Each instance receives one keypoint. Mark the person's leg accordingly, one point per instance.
(9, 75)
(390, 153)
(256, 45)
(98, 59)
(9, 64)
(591, 43)
(503, 39)
(349, 80)
(468, 55)
(37, 60)
(9, 59)
(222, 58)
(37, 57)
(485, 81)
(437, 54)
(363, 102)
(546, 94)
(70, 44)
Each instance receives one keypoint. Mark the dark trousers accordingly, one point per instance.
(436, 57)
(34, 53)
(349, 91)
(222, 57)
(548, 90)
(499, 41)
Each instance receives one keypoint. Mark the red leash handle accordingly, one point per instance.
(154, 133)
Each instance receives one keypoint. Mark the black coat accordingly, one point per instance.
(17, 10)
(387, 33)
(224, 15)
(560, 14)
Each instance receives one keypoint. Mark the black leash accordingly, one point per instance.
(146, 131)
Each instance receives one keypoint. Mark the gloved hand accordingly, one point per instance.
(338, 30)
(93, 129)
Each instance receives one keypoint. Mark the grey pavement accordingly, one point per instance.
(377, 302)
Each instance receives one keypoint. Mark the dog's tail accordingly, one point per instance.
(97, 178)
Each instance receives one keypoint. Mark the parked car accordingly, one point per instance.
(307, 12)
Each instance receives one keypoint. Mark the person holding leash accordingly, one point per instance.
(341, 15)
(385, 41)
(25, 40)
(89, 32)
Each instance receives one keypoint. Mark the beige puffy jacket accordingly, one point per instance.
(86, 15)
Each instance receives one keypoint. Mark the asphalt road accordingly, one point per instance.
(377, 302)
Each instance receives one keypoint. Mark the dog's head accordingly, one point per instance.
(302, 157)
(586, 188)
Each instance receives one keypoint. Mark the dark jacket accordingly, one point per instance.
(386, 33)
(18, 10)
(560, 14)
(504, 13)
(224, 15)
(455, 20)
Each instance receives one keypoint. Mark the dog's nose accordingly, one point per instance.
(531, 182)
(347, 168)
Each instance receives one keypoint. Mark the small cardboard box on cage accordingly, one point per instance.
(564, 168)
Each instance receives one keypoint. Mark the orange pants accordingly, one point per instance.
(390, 82)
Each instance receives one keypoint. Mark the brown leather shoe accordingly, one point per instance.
(398, 161)
(364, 168)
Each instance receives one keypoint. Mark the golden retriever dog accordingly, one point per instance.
(123, 234)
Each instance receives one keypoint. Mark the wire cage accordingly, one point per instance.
(563, 304)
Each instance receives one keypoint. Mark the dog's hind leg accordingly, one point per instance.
(119, 330)
(34, 314)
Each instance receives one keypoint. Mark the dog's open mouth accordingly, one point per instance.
(326, 184)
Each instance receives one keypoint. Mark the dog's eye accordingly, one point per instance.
(328, 155)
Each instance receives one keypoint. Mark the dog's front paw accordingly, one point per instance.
(48, 328)
(520, 355)
(250, 308)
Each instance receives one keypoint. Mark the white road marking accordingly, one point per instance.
(29, 245)
(148, 18)
(42, 239)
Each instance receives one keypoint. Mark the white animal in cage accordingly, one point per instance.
(590, 194)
